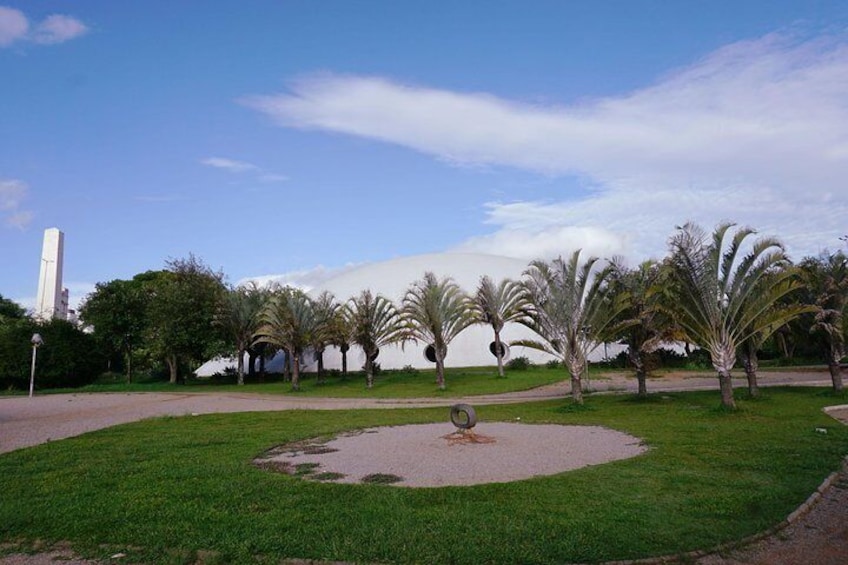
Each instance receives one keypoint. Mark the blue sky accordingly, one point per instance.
(298, 138)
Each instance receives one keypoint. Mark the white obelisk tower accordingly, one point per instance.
(49, 302)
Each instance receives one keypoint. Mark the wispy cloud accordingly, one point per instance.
(235, 166)
(13, 26)
(12, 194)
(756, 131)
(229, 164)
(57, 28)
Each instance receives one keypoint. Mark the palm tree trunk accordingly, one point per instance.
(440, 370)
(369, 371)
(723, 357)
(499, 353)
(288, 373)
(320, 358)
(240, 366)
(751, 364)
(726, 385)
(344, 349)
(641, 373)
(295, 377)
(576, 388)
(575, 369)
(835, 375)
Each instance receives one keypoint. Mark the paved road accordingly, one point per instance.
(30, 421)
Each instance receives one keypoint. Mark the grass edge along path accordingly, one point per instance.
(170, 489)
(461, 381)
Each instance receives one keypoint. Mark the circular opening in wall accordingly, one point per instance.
(430, 353)
(504, 350)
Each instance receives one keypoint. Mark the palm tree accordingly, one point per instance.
(288, 321)
(648, 327)
(238, 317)
(340, 335)
(374, 322)
(436, 312)
(496, 305)
(782, 312)
(826, 279)
(572, 310)
(324, 308)
(722, 298)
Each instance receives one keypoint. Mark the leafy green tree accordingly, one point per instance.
(436, 312)
(288, 321)
(117, 313)
(826, 280)
(374, 322)
(721, 297)
(572, 310)
(497, 304)
(10, 310)
(185, 299)
(238, 317)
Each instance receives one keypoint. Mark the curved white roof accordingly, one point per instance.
(392, 278)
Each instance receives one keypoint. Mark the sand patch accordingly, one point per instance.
(423, 455)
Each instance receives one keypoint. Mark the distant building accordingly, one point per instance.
(52, 298)
(473, 347)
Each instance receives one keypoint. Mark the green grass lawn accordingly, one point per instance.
(388, 384)
(175, 490)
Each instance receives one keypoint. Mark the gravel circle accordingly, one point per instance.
(429, 455)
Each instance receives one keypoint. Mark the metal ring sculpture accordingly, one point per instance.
(463, 416)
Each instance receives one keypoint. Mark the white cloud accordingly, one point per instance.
(20, 219)
(549, 242)
(12, 193)
(237, 167)
(305, 279)
(230, 165)
(13, 26)
(755, 132)
(56, 28)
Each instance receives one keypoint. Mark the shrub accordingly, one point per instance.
(68, 358)
(519, 364)
(554, 364)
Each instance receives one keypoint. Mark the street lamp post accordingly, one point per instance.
(36, 341)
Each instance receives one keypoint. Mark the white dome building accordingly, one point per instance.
(392, 278)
